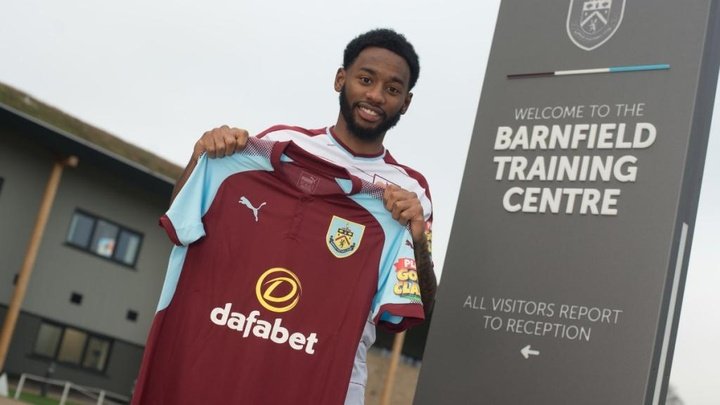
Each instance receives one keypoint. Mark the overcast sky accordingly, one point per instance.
(160, 73)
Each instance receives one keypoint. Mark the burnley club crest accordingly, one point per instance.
(343, 237)
(590, 23)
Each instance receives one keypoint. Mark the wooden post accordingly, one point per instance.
(31, 254)
(392, 369)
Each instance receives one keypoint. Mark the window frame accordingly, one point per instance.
(120, 229)
(83, 357)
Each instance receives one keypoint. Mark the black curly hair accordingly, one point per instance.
(387, 39)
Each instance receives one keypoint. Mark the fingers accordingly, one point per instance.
(221, 142)
(404, 206)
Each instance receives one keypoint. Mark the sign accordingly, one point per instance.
(568, 253)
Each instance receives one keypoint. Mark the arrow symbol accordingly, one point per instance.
(527, 352)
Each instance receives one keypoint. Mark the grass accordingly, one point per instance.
(38, 400)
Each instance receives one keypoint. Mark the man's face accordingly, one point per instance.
(366, 133)
(373, 92)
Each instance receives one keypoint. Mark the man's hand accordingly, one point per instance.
(221, 142)
(405, 208)
(218, 142)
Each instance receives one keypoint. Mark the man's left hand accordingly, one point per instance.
(405, 208)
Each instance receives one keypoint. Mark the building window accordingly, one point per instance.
(131, 315)
(96, 353)
(76, 298)
(72, 346)
(104, 238)
(68, 345)
(47, 340)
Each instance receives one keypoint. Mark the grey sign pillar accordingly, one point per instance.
(568, 253)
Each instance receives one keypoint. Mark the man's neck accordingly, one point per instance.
(356, 145)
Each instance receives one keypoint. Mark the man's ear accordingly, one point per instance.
(339, 79)
(405, 106)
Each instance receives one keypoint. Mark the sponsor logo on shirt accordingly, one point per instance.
(407, 279)
(344, 237)
(259, 328)
(428, 234)
(277, 290)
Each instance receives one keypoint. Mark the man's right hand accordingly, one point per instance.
(221, 142)
(217, 143)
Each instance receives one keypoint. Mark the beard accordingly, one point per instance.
(364, 133)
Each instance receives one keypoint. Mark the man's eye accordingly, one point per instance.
(365, 80)
(393, 90)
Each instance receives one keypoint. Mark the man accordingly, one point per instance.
(379, 70)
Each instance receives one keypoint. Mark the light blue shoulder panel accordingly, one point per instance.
(194, 199)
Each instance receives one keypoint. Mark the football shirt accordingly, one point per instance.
(280, 257)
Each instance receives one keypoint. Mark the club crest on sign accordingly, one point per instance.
(590, 23)
(343, 237)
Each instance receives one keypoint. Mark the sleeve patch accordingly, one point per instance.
(406, 285)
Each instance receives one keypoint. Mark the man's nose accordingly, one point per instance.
(375, 94)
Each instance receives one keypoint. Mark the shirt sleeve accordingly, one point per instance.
(397, 304)
(183, 221)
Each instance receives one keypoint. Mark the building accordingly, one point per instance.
(101, 263)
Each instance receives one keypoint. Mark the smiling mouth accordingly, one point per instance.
(370, 114)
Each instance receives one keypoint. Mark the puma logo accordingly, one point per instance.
(244, 201)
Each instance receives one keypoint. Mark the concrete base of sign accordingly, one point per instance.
(3, 385)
